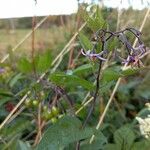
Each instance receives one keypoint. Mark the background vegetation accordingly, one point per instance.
(51, 111)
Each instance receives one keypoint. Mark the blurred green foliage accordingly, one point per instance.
(63, 131)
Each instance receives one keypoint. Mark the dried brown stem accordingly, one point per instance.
(33, 44)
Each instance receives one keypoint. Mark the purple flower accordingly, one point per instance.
(140, 50)
(130, 59)
(133, 61)
(92, 55)
(2, 70)
(134, 53)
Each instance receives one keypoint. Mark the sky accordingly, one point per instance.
(26, 8)
(22, 8)
(136, 4)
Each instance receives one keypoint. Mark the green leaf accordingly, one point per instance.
(16, 127)
(113, 73)
(25, 66)
(96, 21)
(4, 100)
(85, 42)
(98, 143)
(129, 71)
(6, 93)
(82, 69)
(124, 138)
(111, 147)
(106, 87)
(3, 113)
(110, 74)
(142, 90)
(14, 80)
(62, 79)
(67, 130)
(43, 62)
(16, 144)
(23, 146)
(142, 145)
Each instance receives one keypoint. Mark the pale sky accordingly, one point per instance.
(26, 8)
(136, 4)
(22, 8)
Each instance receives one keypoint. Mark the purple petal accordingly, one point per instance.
(2, 70)
(95, 55)
(101, 58)
(141, 49)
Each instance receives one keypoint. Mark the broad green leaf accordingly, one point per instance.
(66, 131)
(44, 62)
(24, 65)
(114, 73)
(111, 147)
(23, 146)
(142, 145)
(62, 79)
(110, 74)
(85, 42)
(124, 138)
(82, 69)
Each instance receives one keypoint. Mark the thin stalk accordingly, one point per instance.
(38, 137)
(33, 44)
(84, 105)
(95, 95)
(39, 125)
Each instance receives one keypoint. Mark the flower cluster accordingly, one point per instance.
(134, 53)
(144, 125)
